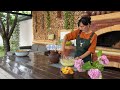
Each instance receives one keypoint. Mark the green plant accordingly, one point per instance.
(96, 64)
(48, 20)
(14, 41)
(8, 23)
(93, 68)
(72, 21)
(2, 53)
(68, 20)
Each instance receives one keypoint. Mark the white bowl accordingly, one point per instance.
(21, 53)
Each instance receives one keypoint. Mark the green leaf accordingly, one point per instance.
(99, 53)
(87, 66)
(97, 65)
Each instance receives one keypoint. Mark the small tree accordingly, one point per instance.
(14, 40)
(7, 26)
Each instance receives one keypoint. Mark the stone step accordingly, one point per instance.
(5, 75)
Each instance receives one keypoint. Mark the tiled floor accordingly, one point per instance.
(5, 75)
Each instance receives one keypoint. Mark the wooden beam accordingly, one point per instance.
(106, 16)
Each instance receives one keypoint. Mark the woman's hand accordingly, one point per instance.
(78, 58)
(62, 53)
(63, 47)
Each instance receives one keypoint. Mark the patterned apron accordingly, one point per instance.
(82, 46)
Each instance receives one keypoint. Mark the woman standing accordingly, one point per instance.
(85, 39)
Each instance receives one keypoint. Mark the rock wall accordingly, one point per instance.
(40, 31)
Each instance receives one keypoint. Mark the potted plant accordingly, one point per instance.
(92, 69)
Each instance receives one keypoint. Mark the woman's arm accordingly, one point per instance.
(84, 55)
(63, 44)
(70, 36)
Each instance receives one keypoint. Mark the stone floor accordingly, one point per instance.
(5, 75)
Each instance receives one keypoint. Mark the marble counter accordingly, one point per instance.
(37, 66)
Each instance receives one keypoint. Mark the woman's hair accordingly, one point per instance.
(85, 20)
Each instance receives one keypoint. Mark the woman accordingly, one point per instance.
(85, 40)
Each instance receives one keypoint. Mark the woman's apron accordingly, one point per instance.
(82, 46)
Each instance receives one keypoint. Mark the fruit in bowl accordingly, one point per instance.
(67, 61)
(67, 72)
(21, 53)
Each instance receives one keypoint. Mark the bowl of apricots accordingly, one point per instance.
(67, 72)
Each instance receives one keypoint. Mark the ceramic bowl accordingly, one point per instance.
(21, 53)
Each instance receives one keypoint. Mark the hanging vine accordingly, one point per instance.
(48, 21)
(72, 20)
(68, 20)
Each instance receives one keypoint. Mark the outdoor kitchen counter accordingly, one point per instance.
(37, 66)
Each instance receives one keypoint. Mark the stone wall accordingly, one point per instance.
(40, 31)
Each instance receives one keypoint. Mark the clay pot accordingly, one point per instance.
(54, 57)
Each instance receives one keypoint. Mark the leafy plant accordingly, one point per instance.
(8, 23)
(95, 65)
(48, 20)
(14, 41)
(68, 20)
(94, 68)
(2, 51)
(99, 53)
(87, 66)
(72, 21)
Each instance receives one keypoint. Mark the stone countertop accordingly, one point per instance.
(37, 66)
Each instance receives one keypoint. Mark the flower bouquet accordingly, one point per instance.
(94, 69)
